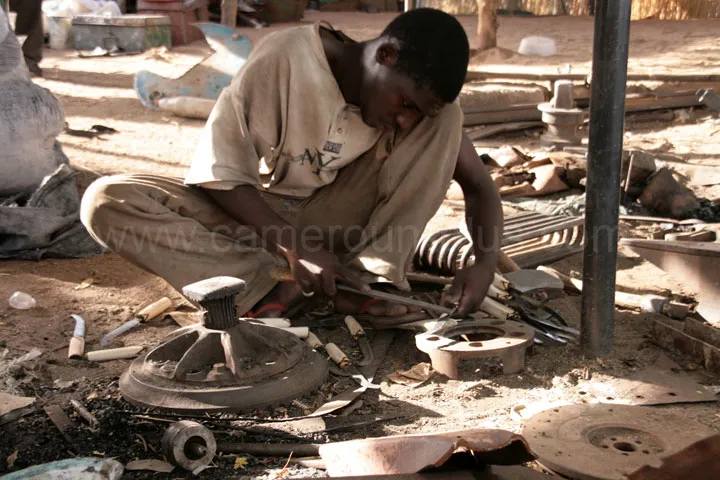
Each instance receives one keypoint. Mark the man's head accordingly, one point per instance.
(415, 67)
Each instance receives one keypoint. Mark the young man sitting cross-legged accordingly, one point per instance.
(325, 155)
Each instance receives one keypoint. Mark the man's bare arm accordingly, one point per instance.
(484, 217)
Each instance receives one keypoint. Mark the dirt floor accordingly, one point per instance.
(100, 91)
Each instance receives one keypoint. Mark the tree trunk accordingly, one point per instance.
(487, 24)
(229, 13)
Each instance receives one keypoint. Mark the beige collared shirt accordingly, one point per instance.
(283, 125)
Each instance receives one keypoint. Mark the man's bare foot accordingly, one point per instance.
(285, 294)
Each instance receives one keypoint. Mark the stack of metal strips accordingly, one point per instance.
(529, 239)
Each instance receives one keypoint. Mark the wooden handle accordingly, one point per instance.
(280, 274)
(77, 347)
(571, 283)
(154, 309)
(501, 282)
(337, 355)
(300, 332)
(270, 322)
(356, 330)
(497, 294)
(496, 309)
(113, 353)
(313, 341)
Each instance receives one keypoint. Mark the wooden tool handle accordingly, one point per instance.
(572, 283)
(154, 309)
(337, 355)
(77, 347)
(496, 309)
(356, 330)
(114, 353)
(313, 341)
(281, 274)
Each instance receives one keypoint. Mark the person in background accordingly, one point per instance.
(29, 23)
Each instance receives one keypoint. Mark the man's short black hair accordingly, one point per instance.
(433, 50)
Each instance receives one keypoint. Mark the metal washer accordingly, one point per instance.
(607, 442)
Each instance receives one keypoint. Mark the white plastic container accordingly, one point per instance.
(22, 301)
(61, 33)
(537, 47)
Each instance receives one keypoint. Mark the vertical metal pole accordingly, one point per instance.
(607, 114)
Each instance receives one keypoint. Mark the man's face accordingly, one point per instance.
(391, 99)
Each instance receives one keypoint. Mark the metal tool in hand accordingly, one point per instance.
(284, 274)
(402, 300)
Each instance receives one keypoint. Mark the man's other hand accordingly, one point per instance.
(317, 271)
(469, 288)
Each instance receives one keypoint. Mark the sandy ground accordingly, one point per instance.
(99, 91)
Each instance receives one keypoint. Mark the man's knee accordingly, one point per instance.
(100, 204)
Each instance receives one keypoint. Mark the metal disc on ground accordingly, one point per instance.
(607, 442)
(222, 365)
(210, 388)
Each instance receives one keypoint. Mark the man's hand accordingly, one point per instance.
(484, 218)
(317, 272)
(469, 288)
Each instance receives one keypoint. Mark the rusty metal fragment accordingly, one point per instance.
(670, 335)
(695, 263)
(699, 460)
(660, 384)
(608, 442)
(492, 473)
(407, 454)
(702, 331)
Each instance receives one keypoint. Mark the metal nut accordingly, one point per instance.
(189, 445)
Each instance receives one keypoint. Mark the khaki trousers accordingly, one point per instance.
(372, 216)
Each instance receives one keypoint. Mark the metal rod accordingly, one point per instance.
(607, 111)
(399, 299)
(482, 75)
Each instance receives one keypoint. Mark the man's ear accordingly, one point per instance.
(387, 55)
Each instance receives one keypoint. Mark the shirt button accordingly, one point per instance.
(339, 130)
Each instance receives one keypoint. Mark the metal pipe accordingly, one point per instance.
(607, 112)
(271, 449)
